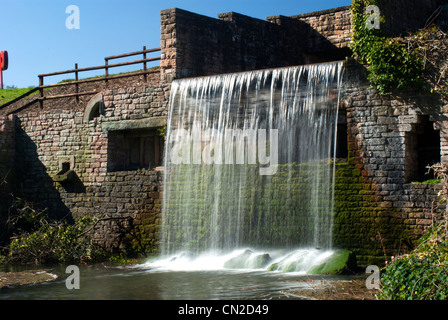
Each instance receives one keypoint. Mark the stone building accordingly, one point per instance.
(103, 154)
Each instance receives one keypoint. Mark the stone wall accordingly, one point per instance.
(195, 45)
(199, 45)
(48, 139)
(7, 153)
(406, 16)
(328, 29)
(381, 211)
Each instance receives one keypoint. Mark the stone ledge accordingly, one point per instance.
(146, 123)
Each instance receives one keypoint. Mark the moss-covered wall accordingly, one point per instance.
(280, 211)
(361, 223)
(379, 213)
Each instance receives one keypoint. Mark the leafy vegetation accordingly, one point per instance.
(391, 63)
(37, 239)
(423, 274)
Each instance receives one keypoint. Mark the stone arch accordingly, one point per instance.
(95, 108)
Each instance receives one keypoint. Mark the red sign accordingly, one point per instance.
(3, 65)
(4, 60)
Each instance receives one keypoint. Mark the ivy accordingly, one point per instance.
(421, 275)
(391, 64)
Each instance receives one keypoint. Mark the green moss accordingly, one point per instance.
(431, 181)
(360, 223)
(339, 262)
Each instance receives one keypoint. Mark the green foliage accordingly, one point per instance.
(37, 239)
(391, 64)
(139, 242)
(162, 131)
(421, 275)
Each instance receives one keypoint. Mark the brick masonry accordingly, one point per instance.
(396, 210)
(47, 137)
(7, 155)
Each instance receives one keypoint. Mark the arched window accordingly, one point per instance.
(95, 108)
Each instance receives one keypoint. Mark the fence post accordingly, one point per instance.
(41, 92)
(76, 83)
(144, 63)
(107, 69)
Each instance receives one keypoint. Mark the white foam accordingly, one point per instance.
(300, 260)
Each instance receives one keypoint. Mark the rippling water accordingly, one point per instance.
(143, 283)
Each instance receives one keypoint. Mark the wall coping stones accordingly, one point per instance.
(321, 12)
(145, 123)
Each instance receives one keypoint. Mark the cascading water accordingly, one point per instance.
(248, 164)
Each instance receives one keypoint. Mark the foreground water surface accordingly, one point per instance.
(110, 283)
(179, 278)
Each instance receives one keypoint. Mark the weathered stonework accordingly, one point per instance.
(46, 138)
(396, 211)
(7, 154)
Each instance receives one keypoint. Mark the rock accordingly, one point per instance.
(8, 279)
(248, 260)
(341, 261)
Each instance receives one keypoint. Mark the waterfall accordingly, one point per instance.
(248, 160)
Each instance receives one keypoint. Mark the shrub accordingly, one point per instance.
(421, 275)
(37, 239)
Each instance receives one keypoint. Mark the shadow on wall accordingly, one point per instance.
(32, 182)
(5, 203)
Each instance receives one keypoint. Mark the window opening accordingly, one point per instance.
(135, 149)
(422, 150)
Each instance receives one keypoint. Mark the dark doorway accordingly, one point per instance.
(422, 150)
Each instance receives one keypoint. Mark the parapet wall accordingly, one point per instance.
(327, 29)
(195, 45)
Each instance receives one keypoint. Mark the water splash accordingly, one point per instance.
(248, 161)
(297, 261)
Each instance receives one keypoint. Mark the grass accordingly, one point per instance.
(7, 95)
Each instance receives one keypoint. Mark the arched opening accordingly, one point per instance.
(95, 108)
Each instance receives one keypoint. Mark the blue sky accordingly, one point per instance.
(35, 35)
